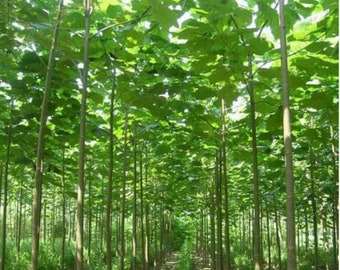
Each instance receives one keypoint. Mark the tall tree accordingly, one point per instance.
(257, 228)
(5, 189)
(287, 137)
(110, 176)
(81, 169)
(40, 148)
(225, 184)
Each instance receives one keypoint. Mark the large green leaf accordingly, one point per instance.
(162, 14)
(32, 62)
(113, 11)
(319, 100)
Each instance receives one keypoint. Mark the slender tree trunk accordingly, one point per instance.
(306, 231)
(123, 200)
(218, 193)
(278, 234)
(134, 199)
(44, 225)
(89, 221)
(63, 229)
(287, 135)
(212, 226)
(20, 211)
(110, 180)
(154, 236)
(225, 184)
(53, 223)
(5, 190)
(40, 148)
(147, 220)
(81, 169)
(257, 232)
(315, 219)
(141, 186)
(325, 244)
(101, 222)
(335, 199)
(268, 237)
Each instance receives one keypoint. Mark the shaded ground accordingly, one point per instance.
(172, 262)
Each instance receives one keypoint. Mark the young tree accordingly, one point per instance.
(40, 148)
(81, 169)
(287, 136)
(5, 189)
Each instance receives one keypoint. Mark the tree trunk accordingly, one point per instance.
(63, 228)
(315, 219)
(268, 237)
(306, 231)
(278, 234)
(212, 226)
(89, 220)
(147, 220)
(134, 203)
(19, 223)
(218, 194)
(81, 170)
(123, 200)
(287, 135)
(110, 179)
(40, 148)
(141, 186)
(5, 190)
(225, 184)
(335, 199)
(257, 232)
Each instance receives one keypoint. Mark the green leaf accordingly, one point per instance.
(274, 122)
(203, 93)
(113, 11)
(97, 98)
(259, 46)
(270, 73)
(74, 20)
(162, 14)
(32, 62)
(319, 100)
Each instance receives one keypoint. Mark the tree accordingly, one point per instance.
(81, 170)
(40, 148)
(183, 113)
(291, 249)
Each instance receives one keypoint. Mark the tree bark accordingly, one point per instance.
(134, 199)
(287, 135)
(218, 194)
(110, 179)
(212, 226)
(81, 169)
(315, 218)
(225, 185)
(257, 232)
(123, 200)
(63, 229)
(335, 199)
(41, 144)
(5, 190)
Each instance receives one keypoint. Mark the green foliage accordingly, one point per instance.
(181, 232)
(171, 73)
(185, 257)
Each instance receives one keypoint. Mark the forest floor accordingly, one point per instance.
(173, 260)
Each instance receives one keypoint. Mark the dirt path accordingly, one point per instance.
(199, 264)
(171, 263)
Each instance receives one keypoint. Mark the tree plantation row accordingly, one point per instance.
(135, 132)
